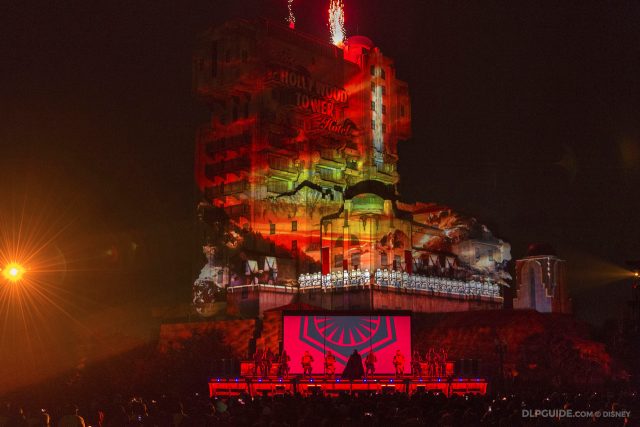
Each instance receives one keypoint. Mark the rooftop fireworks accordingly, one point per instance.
(336, 22)
(291, 19)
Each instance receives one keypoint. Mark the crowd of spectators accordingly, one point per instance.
(87, 399)
(420, 409)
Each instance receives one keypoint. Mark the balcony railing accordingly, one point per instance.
(239, 210)
(385, 168)
(221, 168)
(282, 164)
(229, 143)
(226, 189)
(278, 186)
(400, 280)
(331, 175)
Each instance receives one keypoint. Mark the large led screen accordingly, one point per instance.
(342, 334)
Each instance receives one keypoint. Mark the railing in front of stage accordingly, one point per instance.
(229, 387)
(400, 280)
(248, 369)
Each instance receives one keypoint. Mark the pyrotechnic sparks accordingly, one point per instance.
(336, 22)
(291, 19)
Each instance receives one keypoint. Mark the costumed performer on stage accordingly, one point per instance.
(306, 361)
(370, 363)
(258, 362)
(398, 362)
(416, 367)
(330, 364)
(353, 370)
(269, 357)
(283, 369)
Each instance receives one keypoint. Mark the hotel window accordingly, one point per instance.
(373, 105)
(272, 228)
(373, 125)
(329, 174)
(384, 90)
(277, 186)
(355, 260)
(352, 163)
(397, 262)
(372, 70)
(382, 74)
(294, 225)
(373, 86)
(384, 127)
(337, 261)
(279, 163)
(327, 153)
(384, 109)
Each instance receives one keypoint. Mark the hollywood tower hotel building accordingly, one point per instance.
(297, 170)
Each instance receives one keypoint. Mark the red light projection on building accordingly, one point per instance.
(297, 170)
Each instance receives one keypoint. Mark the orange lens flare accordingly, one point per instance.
(13, 272)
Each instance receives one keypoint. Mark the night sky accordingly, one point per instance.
(526, 115)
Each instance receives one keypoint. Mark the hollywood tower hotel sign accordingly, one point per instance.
(297, 172)
(318, 98)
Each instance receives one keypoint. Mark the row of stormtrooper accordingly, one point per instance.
(400, 279)
(267, 273)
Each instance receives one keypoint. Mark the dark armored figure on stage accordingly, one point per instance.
(283, 369)
(353, 370)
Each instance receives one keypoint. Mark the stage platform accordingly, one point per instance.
(273, 386)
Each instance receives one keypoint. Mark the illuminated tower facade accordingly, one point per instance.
(297, 169)
(382, 102)
(295, 121)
